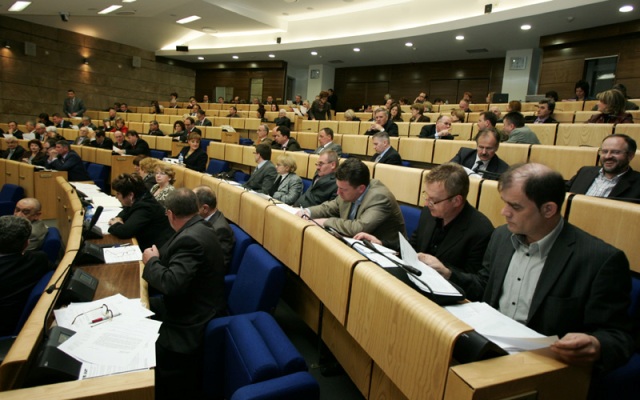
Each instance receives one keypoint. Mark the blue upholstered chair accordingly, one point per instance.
(217, 166)
(10, 195)
(99, 174)
(52, 244)
(159, 154)
(243, 240)
(306, 184)
(411, 215)
(249, 357)
(33, 298)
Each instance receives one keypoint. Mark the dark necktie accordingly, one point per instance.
(275, 186)
(477, 167)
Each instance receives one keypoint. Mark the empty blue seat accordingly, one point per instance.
(217, 166)
(241, 177)
(306, 184)
(99, 174)
(33, 298)
(52, 244)
(10, 195)
(159, 154)
(243, 240)
(411, 215)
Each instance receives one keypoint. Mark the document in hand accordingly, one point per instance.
(430, 281)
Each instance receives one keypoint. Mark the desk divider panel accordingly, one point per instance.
(312, 169)
(463, 130)
(355, 144)
(164, 143)
(514, 153)
(252, 211)
(233, 153)
(308, 140)
(151, 140)
(490, 203)
(192, 178)
(75, 233)
(179, 171)
(283, 238)
(546, 133)
(26, 180)
(88, 153)
(582, 134)
(416, 149)
(445, 150)
(104, 157)
(302, 161)
(392, 140)
(407, 335)
(216, 150)
(564, 159)
(382, 387)
(176, 147)
(46, 191)
(212, 182)
(248, 158)
(474, 191)
(598, 216)
(121, 165)
(12, 172)
(405, 183)
(229, 201)
(327, 265)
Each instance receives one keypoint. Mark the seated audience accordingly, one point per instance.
(20, 270)
(62, 158)
(483, 160)
(13, 130)
(179, 131)
(52, 133)
(582, 91)
(120, 145)
(611, 108)
(138, 145)
(320, 110)
(265, 174)
(147, 170)
(417, 110)
(36, 154)
(142, 216)
(458, 115)
(263, 135)
(100, 140)
(165, 176)
(385, 153)
(288, 186)
(350, 115)
(615, 178)
(395, 113)
(325, 139)
(438, 131)
(283, 140)
(282, 119)
(193, 156)
(516, 130)
(31, 209)
(323, 187)
(154, 129)
(202, 120)
(362, 205)
(83, 137)
(119, 125)
(452, 236)
(546, 108)
(382, 123)
(208, 210)
(233, 112)
(60, 122)
(514, 106)
(14, 151)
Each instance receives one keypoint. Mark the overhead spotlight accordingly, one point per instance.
(356, 49)
(85, 61)
(409, 44)
(626, 9)
(460, 37)
(64, 16)
(525, 27)
(314, 53)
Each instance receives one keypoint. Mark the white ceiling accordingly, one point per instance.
(380, 28)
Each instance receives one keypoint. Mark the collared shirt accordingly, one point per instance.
(540, 120)
(356, 204)
(382, 154)
(323, 148)
(524, 272)
(602, 186)
(260, 164)
(483, 166)
(284, 146)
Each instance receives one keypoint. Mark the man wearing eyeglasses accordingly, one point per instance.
(323, 187)
(452, 236)
(615, 179)
(30, 209)
(483, 160)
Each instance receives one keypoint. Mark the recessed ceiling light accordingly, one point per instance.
(188, 19)
(525, 27)
(626, 8)
(110, 9)
(19, 6)
(272, 56)
(208, 30)
(459, 37)
(356, 49)
(200, 58)
(128, 1)
(235, 57)
(314, 53)
(408, 44)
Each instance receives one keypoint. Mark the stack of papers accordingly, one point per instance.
(111, 205)
(507, 333)
(120, 340)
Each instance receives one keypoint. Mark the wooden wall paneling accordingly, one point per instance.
(446, 89)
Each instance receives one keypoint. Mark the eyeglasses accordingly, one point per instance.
(432, 203)
(104, 314)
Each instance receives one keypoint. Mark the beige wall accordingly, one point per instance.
(31, 85)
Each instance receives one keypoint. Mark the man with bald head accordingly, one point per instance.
(31, 209)
(438, 131)
(553, 277)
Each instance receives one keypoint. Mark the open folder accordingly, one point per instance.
(429, 281)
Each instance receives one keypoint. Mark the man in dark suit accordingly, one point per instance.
(73, 106)
(154, 129)
(483, 158)
(325, 139)
(265, 173)
(452, 236)
(13, 151)
(190, 126)
(120, 144)
(65, 159)
(20, 270)
(202, 120)
(382, 123)
(615, 179)
(189, 272)
(138, 146)
(101, 141)
(438, 131)
(60, 122)
(323, 187)
(13, 130)
(385, 153)
(554, 277)
(208, 206)
(283, 140)
(543, 115)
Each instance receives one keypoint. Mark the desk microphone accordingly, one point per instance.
(406, 267)
(55, 286)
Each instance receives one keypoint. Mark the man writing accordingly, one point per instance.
(616, 179)
(324, 186)
(362, 205)
(189, 272)
(65, 159)
(554, 277)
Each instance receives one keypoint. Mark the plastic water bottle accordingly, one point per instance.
(180, 159)
(88, 214)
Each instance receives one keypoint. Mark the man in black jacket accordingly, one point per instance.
(101, 141)
(383, 123)
(385, 153)
(65, 159)
(323, 187)
(483, 160)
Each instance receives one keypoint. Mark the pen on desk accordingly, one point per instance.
(102, 319)
(122, 245)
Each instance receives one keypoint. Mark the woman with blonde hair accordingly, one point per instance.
(350, 115)
(288, 186)
(165, 176)
(146, 169)
(612, 109)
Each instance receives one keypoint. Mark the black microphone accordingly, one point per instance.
(406, 267)
(488, 174)
(53, 287)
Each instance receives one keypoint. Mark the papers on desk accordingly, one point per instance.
(500, 329)
(288, 208)
(122, 254)
(430, 280)
(111, 205)
(125, 342)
